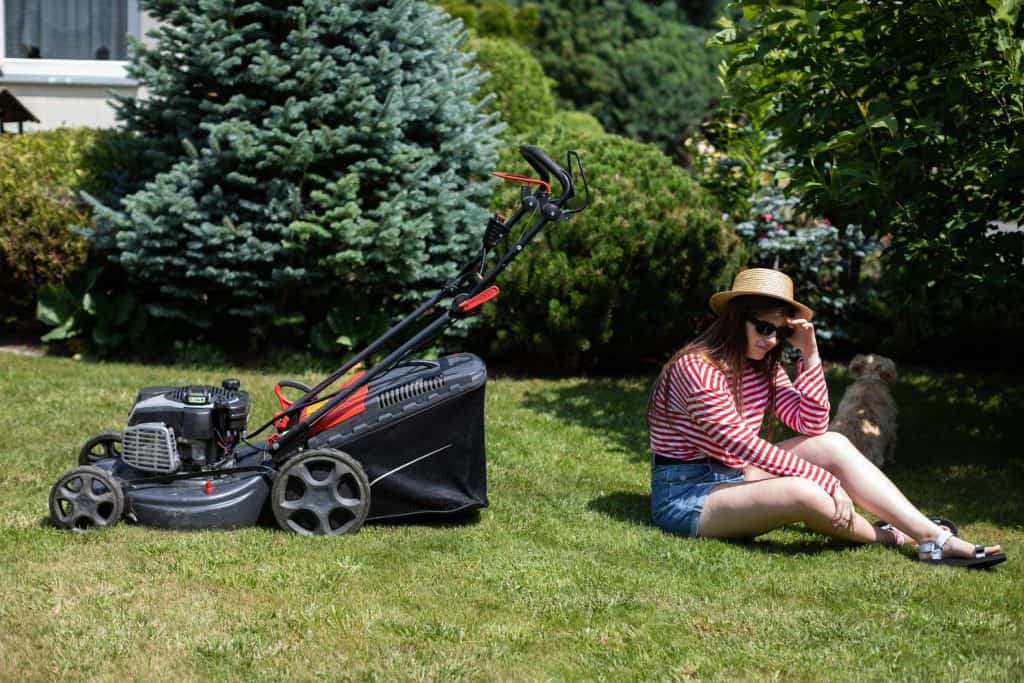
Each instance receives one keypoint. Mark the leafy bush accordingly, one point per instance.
(704, 12)
(313, 165)
(624, 281)
(495, 18)
(41, 176)
(823, 260)
(905, 118)
(662, 86)
(93, 311)
(748, 177)
(518, 88)
(639, 68)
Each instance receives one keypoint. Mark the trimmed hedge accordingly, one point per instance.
(639, 67)
(41, 177)
(520, 91)
(625, 281)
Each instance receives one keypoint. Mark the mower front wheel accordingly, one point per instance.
(322, 492)
(84, 498)
(104, 445)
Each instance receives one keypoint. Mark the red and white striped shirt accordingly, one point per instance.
(702, 419)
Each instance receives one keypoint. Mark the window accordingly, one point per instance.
(70, 41)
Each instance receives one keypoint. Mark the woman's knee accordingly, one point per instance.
(832, 451)
(809, 497)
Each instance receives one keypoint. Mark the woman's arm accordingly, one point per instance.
(803, 406)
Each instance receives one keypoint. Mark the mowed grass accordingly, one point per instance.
(561, 578)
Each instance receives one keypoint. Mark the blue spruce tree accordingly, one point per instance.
(314, 165)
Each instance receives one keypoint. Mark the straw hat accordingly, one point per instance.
(761, 282)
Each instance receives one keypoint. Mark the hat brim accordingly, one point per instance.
(720, 300)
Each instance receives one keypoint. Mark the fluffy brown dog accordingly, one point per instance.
(867, 413)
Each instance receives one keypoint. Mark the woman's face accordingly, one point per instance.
(759, 344)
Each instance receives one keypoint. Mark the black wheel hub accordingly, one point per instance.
(85, 498)
(321, 493)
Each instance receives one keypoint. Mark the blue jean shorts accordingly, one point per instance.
(678, 492)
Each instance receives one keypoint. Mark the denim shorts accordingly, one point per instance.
(678, 492)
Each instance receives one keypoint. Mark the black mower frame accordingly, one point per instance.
(296, 422)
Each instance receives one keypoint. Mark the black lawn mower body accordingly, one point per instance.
(403, 439)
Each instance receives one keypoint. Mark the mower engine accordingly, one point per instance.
(190, 428)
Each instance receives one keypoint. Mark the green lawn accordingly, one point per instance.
(563, 577)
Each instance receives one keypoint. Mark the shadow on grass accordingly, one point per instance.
(957, 453)
(462, 518)
(615, 409)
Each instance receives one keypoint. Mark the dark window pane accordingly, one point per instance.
(66, 29)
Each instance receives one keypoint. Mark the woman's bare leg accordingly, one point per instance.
(869, 488)
(760, 504)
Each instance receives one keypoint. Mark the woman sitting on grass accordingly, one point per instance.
(712, 476)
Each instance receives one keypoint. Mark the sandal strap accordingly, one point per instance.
(934, 548)
(979, 551)
(898, 536)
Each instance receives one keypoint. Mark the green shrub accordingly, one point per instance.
(626, 280)
(662, 86)
(495, 18)
(315, 167)
(41, 176)
(520, 91)
(906, 119)
(640, 68)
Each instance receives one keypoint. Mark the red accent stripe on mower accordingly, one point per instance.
(523, 179)
(481, 298)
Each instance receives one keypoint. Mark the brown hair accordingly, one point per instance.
(724, 343)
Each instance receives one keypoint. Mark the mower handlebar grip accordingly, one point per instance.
(546, 167)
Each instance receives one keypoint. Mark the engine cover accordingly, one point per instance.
(192, 419)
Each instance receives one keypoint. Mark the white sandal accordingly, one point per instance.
(930, 552)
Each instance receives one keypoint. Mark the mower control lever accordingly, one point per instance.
(462, 306)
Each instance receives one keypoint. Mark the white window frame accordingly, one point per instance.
(105, 72)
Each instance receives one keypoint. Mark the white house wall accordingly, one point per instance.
(60, 106)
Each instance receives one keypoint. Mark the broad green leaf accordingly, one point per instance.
(67, 330)
(55, 305)
(888, 122)
(722, 38)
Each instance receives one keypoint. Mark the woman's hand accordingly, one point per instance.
(843, 518)
(803, 340)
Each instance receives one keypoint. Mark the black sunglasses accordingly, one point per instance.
(766, 329)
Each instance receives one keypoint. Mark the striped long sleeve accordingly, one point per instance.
(701, 418)
(803, 405)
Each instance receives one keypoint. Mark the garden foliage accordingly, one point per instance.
(314, 166)
(906, 119)
(640, 68)
(516, 86)
(824, 260)
(740, 162)
(41, 176)
(624, 281)
(496, 18)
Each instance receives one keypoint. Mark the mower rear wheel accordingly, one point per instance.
(104, 445)
(322, 492)
(85, 498)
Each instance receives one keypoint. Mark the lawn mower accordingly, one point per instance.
(404, 438)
